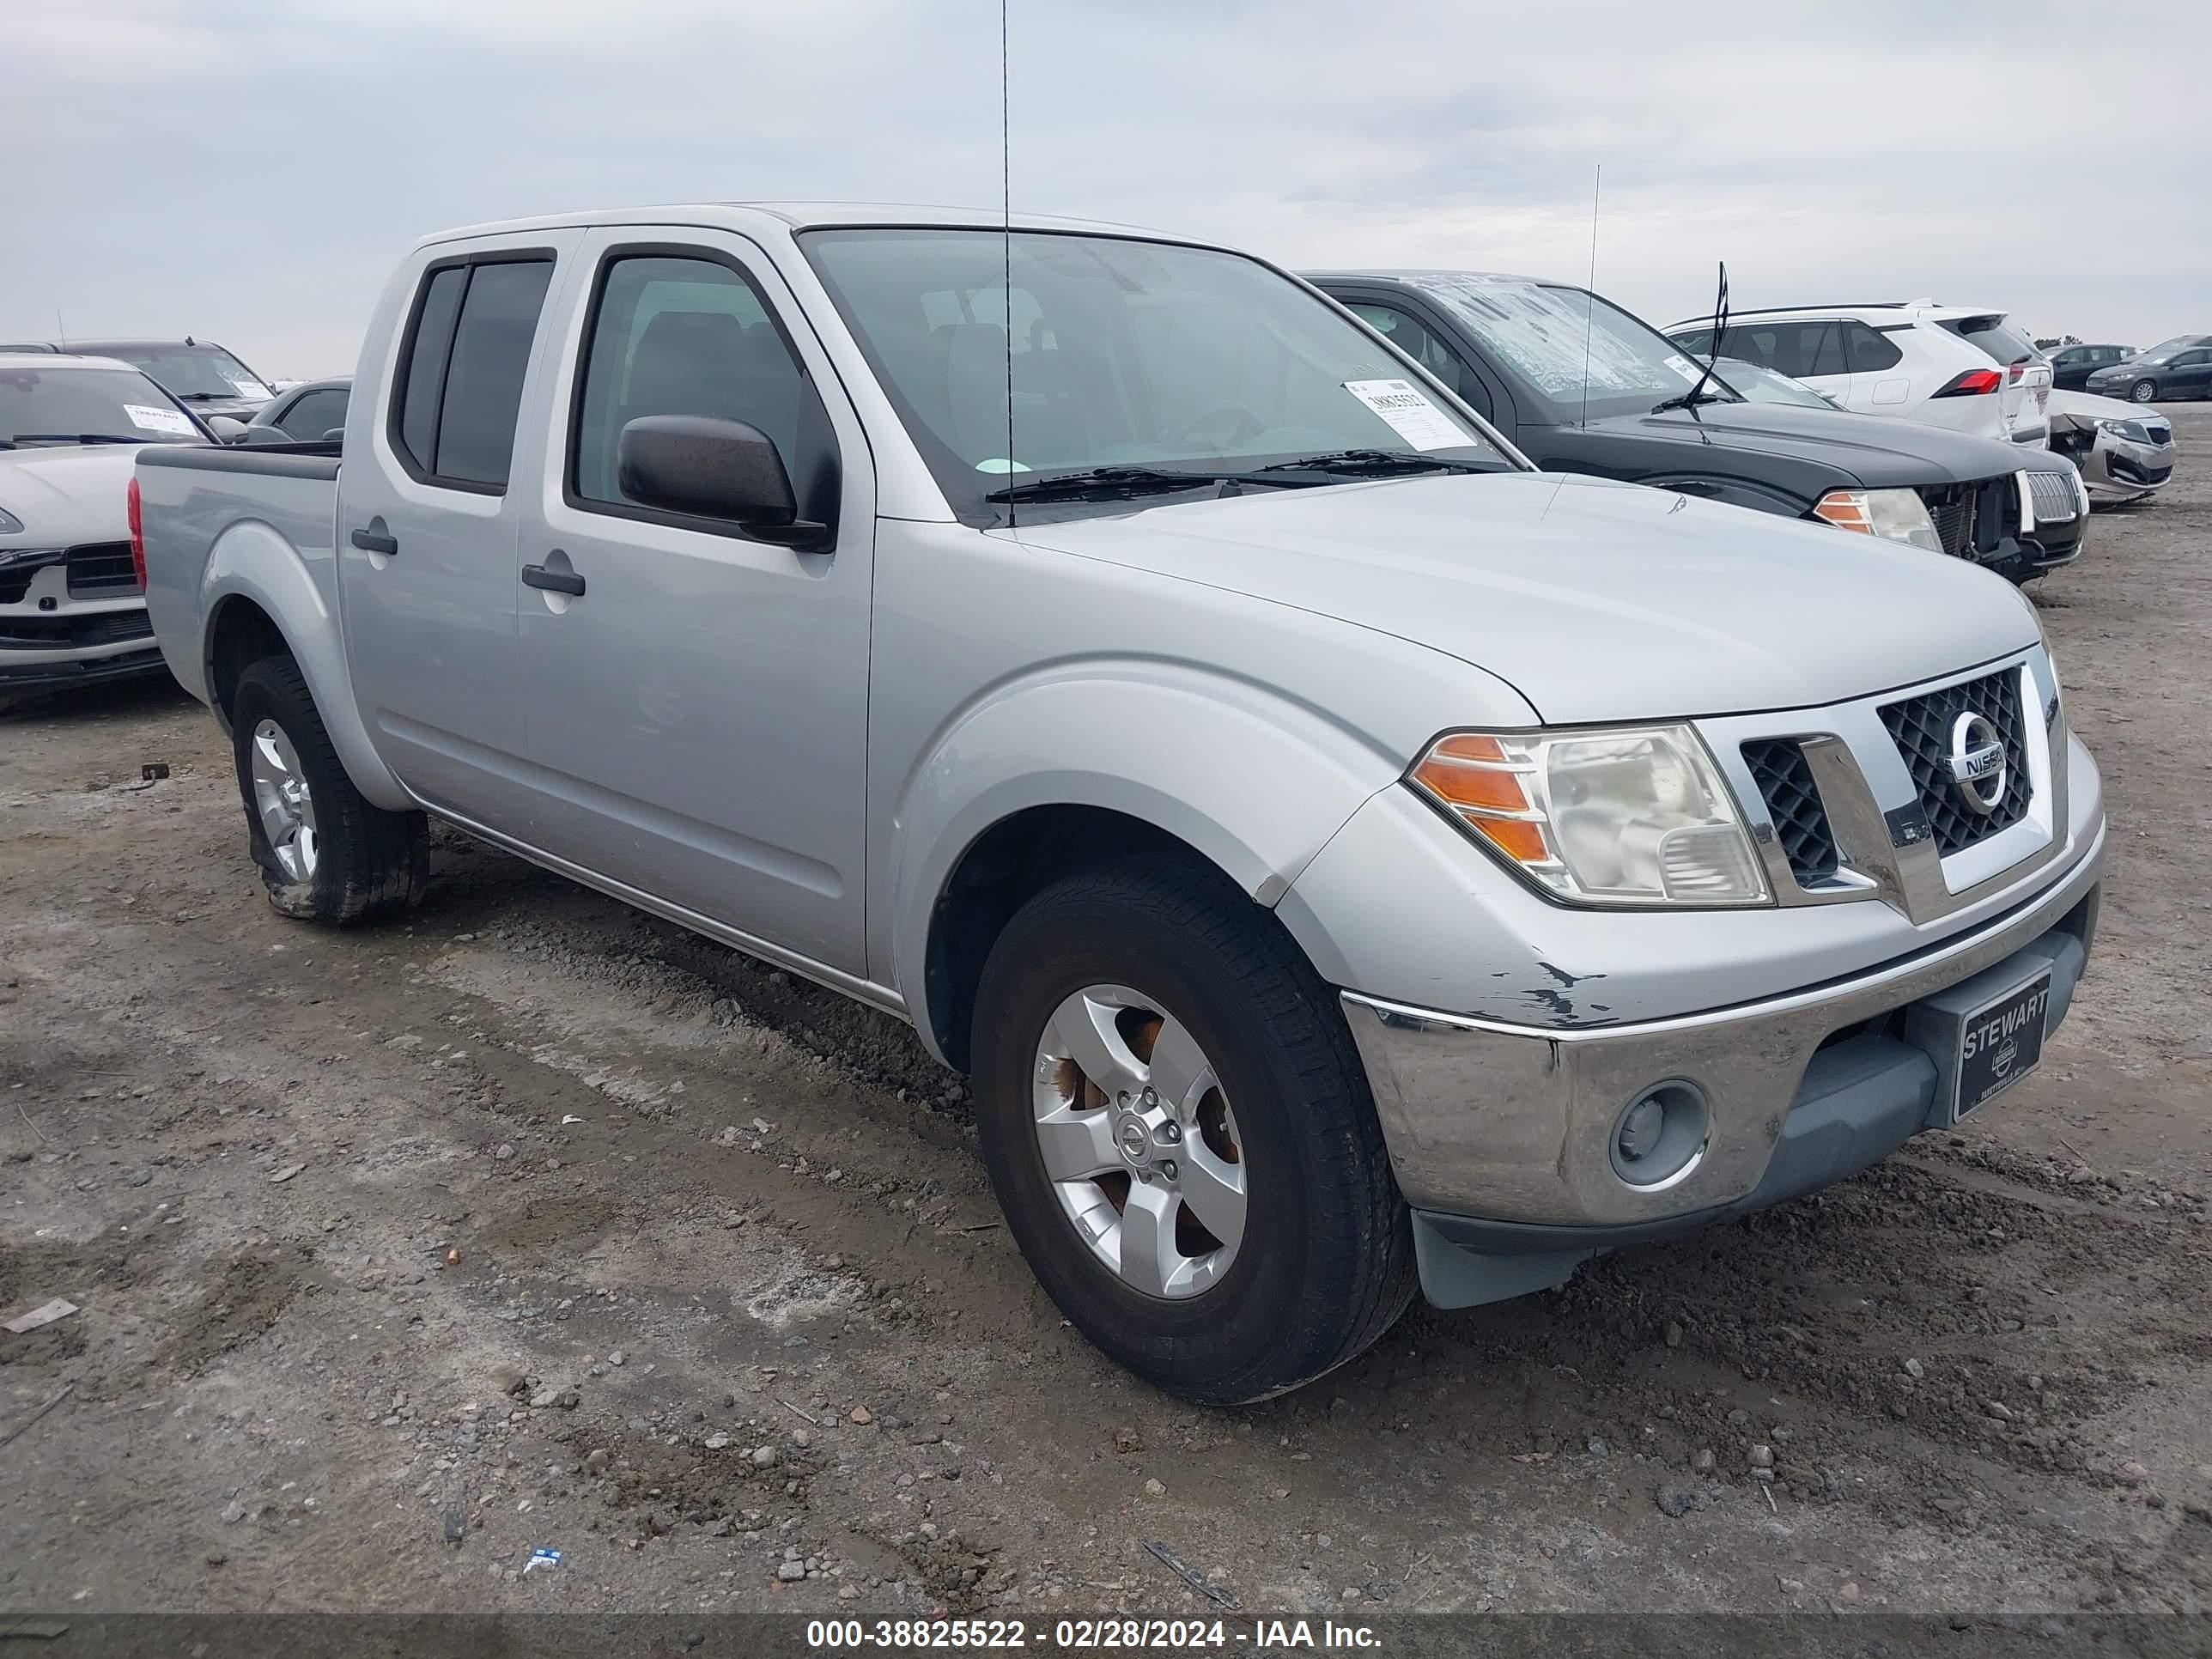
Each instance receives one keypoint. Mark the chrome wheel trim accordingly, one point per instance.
(284, 803)
(1139, 1142)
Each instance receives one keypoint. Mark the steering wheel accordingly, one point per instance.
(1237, 422)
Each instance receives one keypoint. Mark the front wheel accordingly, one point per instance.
(325, 853)
(2142, 391)
(1181, 1135)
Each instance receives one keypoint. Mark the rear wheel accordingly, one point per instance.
(2142, 391)
(324, 853)
(1181, 1135)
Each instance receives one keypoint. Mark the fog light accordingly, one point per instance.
(1660, 1135)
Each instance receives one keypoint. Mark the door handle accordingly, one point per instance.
(375, 540)
(553, 581)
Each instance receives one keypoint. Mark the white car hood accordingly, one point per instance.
(67, 494)
(1598, 601)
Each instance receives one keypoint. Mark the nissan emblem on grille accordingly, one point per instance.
(1978, 762)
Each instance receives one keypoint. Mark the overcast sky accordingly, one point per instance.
(246, 170)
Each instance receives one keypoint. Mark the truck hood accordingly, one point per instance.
(1877, 452)
(1597, 601)
(68, 494)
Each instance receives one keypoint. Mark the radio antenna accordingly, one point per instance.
(1006, 241)
(61, 328)
(1589, 293)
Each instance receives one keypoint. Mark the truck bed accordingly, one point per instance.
(237, 520)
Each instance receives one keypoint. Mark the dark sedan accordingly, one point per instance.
(312, 412)
(2180, 367)
(2072, 366)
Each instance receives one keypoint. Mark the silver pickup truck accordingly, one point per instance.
(1341, 856)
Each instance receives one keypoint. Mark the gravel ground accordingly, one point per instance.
(399, 1255)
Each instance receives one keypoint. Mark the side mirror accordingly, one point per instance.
(226, 430)
(335, 435)
(708, 468)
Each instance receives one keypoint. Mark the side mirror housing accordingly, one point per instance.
(226, 430)
(706, 468)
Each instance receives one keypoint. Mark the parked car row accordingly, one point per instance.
(1581, 385)
(1345, 857)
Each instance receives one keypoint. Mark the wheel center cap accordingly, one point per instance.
(1135, 1140)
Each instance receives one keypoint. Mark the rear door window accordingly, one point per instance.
(1800, 350)
(462, 370)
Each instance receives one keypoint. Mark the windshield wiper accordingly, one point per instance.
(1124, 483)
(1693, 400)
(1371, 461)
(75, 438)
(209, 396)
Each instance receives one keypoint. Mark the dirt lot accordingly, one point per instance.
(402, 1254)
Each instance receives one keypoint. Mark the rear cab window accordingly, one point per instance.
(462, 366)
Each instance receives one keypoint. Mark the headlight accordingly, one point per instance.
(1897, 515)
(2134, 431)
(1633, 817)
(9, 524)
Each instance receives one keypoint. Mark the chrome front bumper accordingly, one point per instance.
(1515, 1124)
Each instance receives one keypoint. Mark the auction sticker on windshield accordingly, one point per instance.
(1410, 413)
(158, 420)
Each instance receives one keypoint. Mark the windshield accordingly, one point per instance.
(69, 404)
(1560, 344)
(192, 371)
(1761, 385)
(1124, 354)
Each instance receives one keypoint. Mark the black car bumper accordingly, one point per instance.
(47, 676)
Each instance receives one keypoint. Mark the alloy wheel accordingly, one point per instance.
(1138, 1141)
(284, 802)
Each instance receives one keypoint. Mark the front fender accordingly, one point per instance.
(1253, 781)
(296, 587)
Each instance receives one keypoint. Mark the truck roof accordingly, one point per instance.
(11, 358)
(799, 216)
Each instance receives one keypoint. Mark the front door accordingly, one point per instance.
(427, 524)
(698, 713)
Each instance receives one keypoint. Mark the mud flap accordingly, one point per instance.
(1453, 1276)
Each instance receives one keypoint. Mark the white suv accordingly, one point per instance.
(1953, 366)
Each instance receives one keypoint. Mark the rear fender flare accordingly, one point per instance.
(251, 562)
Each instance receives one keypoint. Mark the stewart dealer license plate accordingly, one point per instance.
(2001, 1043)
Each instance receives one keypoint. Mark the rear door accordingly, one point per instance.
(427, 524)
(698, 712)
(2189, 374)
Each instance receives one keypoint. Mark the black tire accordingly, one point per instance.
(369, 863)
(1326, 1263)
(2143, 391)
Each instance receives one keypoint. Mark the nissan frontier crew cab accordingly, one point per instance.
(1341, 856)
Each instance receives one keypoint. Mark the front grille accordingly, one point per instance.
(1972, 519)
(101, 628)
(1922, 728)
(2052, 493)
(101, 570)
(1793, 801)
